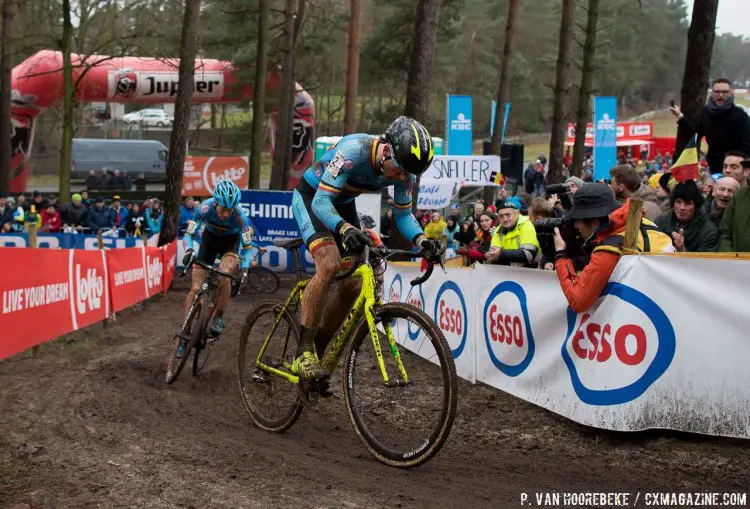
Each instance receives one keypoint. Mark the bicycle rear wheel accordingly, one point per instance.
(263, 280)
(192, 330)
(272, 402)
(406, 424)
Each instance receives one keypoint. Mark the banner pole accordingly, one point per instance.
(633, 225)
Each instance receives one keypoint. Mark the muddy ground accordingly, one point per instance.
(90, 423)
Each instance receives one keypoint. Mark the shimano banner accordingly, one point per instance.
(605, 136)
(458, 127)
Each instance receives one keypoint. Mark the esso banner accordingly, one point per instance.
(202, 174)
(49, 293)
(645, 355)
(446, 300)
(127, 277)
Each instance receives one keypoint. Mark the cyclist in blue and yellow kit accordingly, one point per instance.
(228, 230)
(325, 210)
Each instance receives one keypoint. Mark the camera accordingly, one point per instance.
(545, 234)
(563, 192)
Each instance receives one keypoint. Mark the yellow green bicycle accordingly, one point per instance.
(400, 387)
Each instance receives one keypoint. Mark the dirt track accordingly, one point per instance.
(90, 423)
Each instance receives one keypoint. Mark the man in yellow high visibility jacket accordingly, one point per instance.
(514, 241)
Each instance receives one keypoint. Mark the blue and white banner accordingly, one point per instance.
(643, 356)
(506, 114)
(605, 136)
(458, 128)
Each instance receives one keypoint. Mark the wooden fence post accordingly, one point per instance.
(633, 225)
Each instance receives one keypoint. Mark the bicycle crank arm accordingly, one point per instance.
(396, 383)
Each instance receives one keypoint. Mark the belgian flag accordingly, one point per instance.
(686, 167)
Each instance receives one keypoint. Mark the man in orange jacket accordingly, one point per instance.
(600, 220)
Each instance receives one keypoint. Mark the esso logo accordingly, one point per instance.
(614, 352)
(451, 316)
(154, 270)
(89, 289)
(415, 298)
(507, 329)
(395, 290)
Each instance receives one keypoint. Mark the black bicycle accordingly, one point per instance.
(261, 280)
(195, 330)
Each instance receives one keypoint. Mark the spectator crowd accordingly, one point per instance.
(83, 214)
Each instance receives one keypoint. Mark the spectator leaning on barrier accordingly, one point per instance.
(98, 217)
(135, 221)
(51, 221)
(74, 213)
(436, 226)
(451, 228)
(118, 212)
(6, 213)
(724, 189)
(688, 226)
(626, 184)
(601, 220)
(187, 213)
(734, 167)
(154, 216)
(734, 234)
(725, 125)
(481, 243)
(514, 241)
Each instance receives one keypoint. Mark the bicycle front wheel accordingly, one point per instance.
(263, 280)
(406, 422)
(271, 401)
(191, 331)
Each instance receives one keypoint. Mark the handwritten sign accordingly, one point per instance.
(468, 170)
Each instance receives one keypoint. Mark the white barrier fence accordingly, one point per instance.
(665, 346)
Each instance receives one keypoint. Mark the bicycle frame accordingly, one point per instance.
(368, 298)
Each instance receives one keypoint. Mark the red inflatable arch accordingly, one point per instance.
(37, 84)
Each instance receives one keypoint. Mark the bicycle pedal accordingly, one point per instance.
(396, 383)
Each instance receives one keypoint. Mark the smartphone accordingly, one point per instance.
(671, 103)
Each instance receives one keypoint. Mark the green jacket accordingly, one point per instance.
(701, 236)
(735, 225)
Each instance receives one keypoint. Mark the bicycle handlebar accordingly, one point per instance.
(384, 253)
(209, 268)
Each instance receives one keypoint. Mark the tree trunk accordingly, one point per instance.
(423, 47)
(352, 68)
(182, 106)
(419, 83)
(66, 147)
(584, 92)
(259, 95)
(557, 140)
(5, 96)
(503, 89)
(280, 173)
(697, 66)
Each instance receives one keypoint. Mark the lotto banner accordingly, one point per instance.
(169, 261)
(153, 263)
(202, 174)
(49, 293)
(445, 299)
(652, 352)
(127, 277)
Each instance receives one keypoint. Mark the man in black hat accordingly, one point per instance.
(600, 220)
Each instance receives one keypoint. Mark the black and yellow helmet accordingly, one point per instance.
(411, 145)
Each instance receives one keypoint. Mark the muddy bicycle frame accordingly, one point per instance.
(369, 297)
